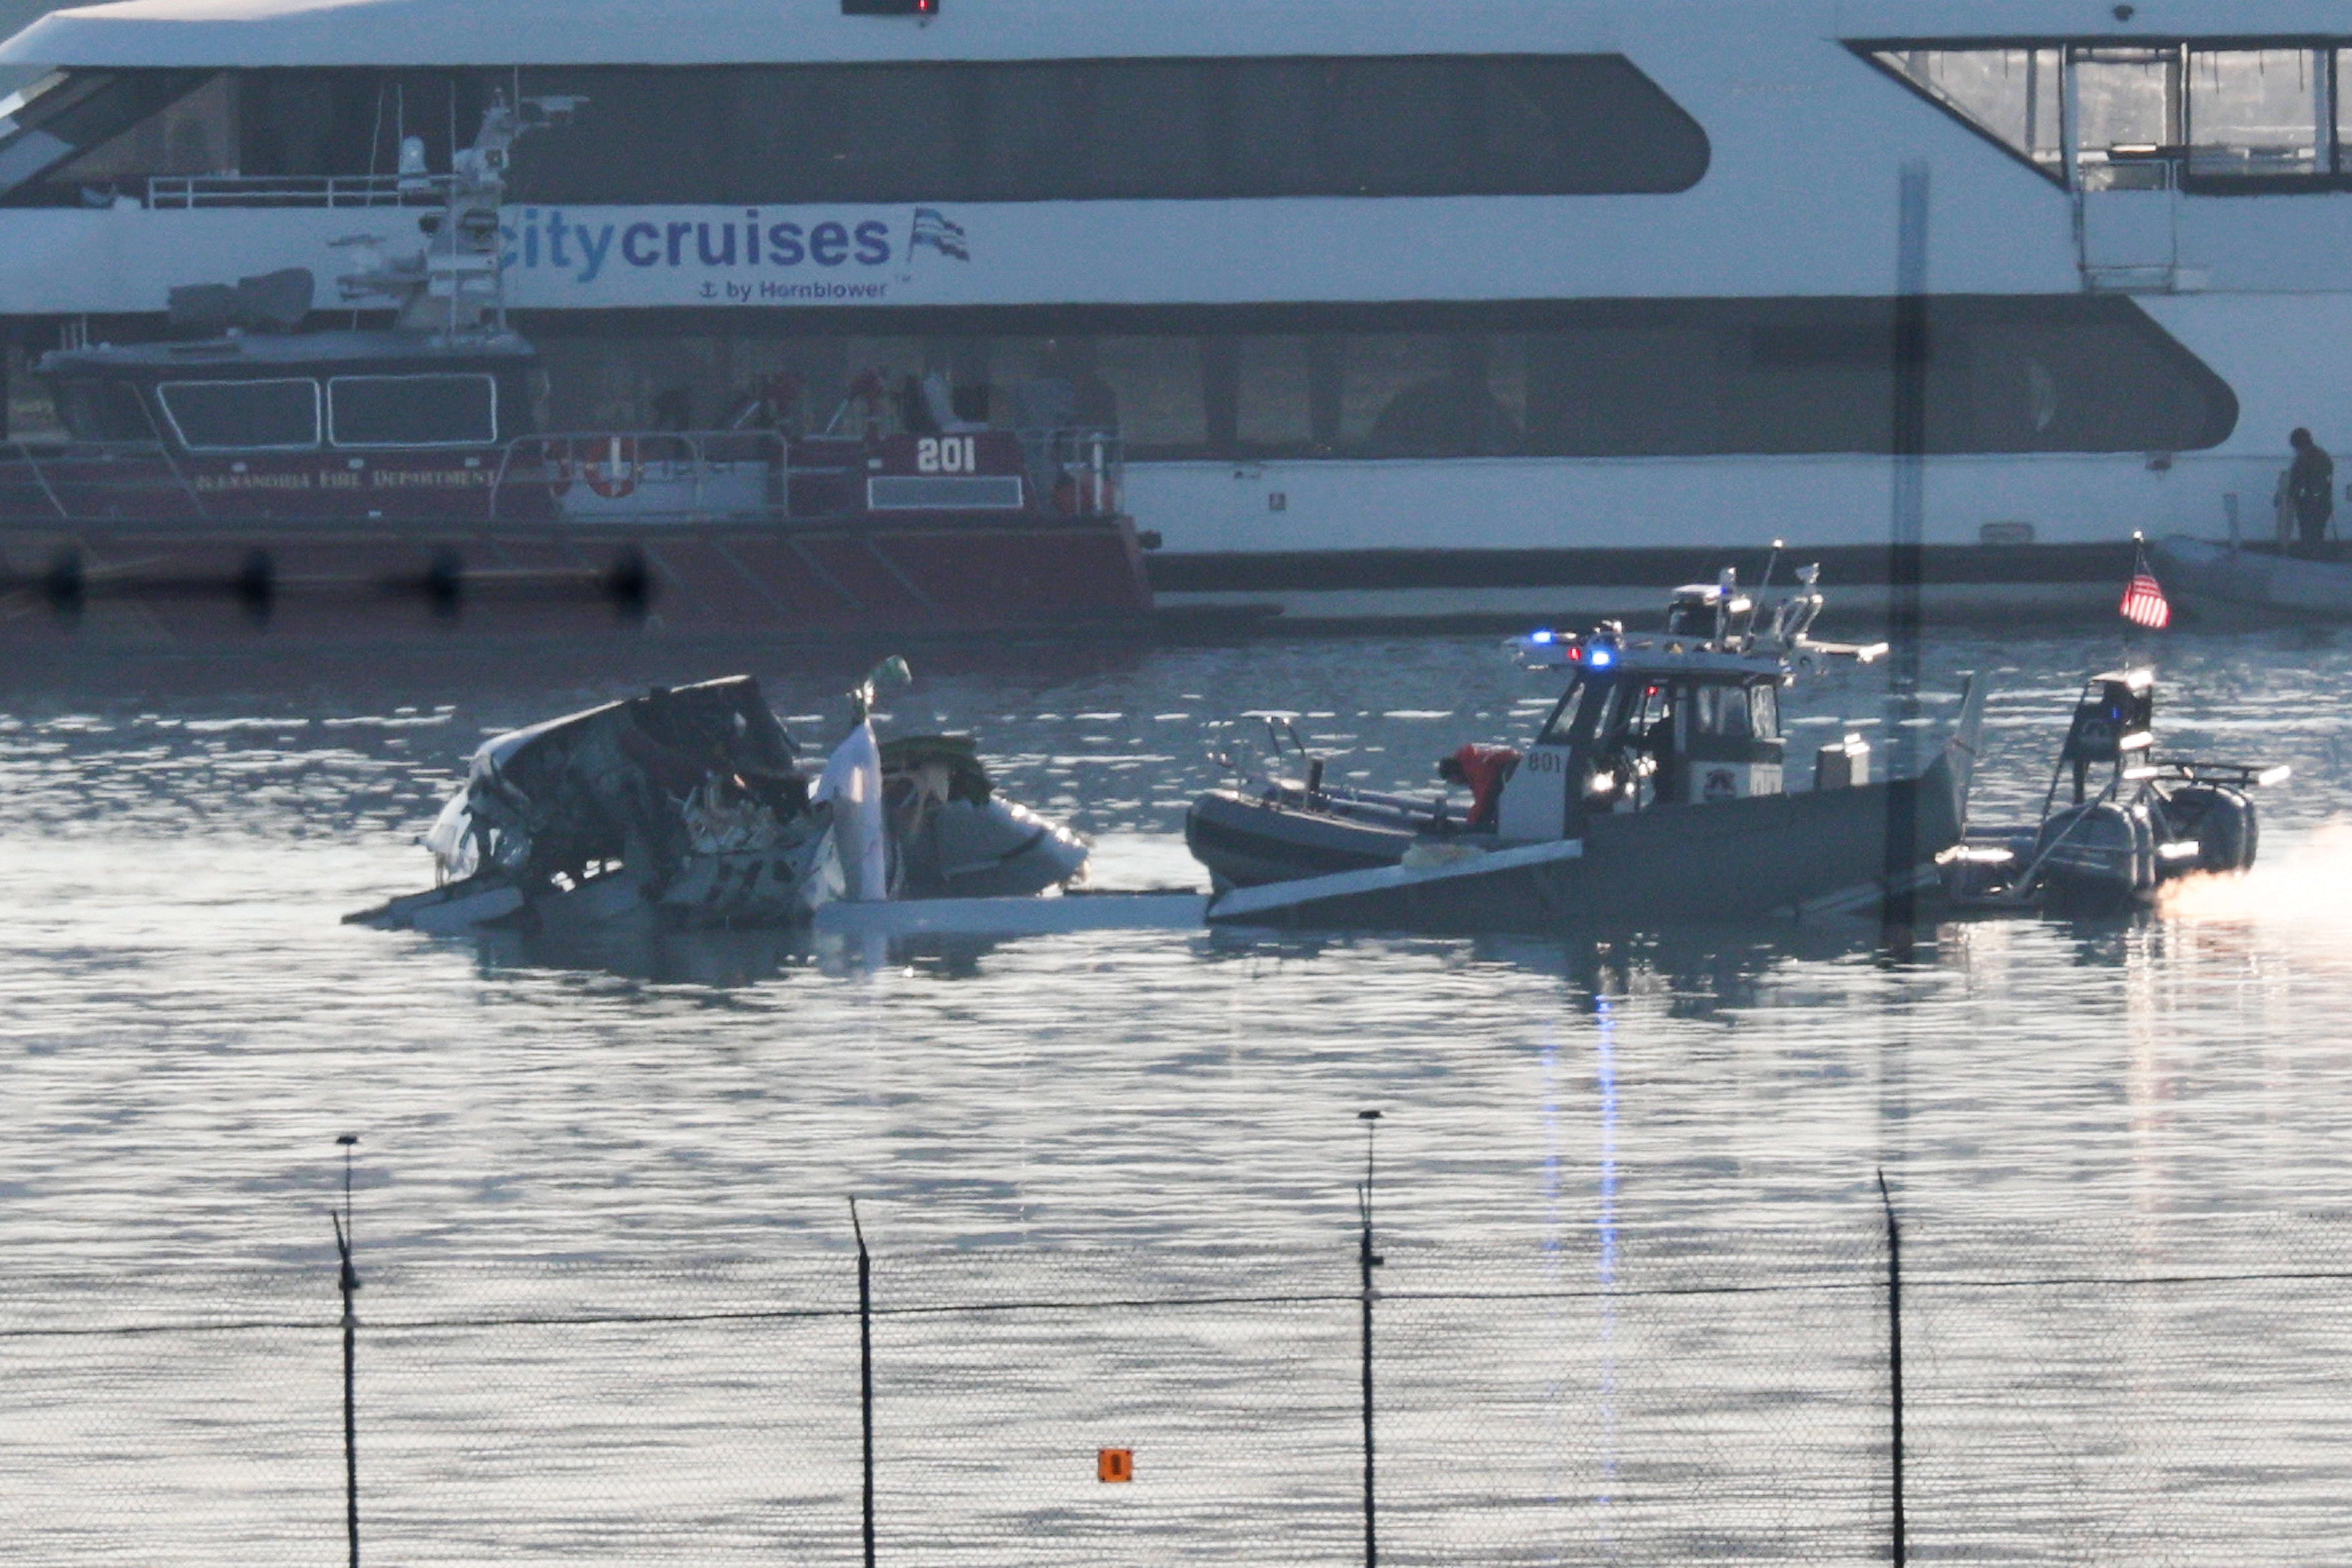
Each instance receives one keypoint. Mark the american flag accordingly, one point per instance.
(2144, 603)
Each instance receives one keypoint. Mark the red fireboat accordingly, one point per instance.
(348, 484)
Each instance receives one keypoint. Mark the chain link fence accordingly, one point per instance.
(2073, 1391)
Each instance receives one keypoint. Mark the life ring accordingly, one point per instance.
(612, 468)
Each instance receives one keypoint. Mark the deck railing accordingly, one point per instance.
(182, 192)
(584, 479)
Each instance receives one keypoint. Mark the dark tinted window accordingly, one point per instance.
(1598, 378)
(103, 411)
(1134, 128)
(232, 415)
(81, 111)
(412, 410)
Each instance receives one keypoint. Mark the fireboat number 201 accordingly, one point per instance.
(947, 455)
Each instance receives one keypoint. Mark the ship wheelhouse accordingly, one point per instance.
(316, 393)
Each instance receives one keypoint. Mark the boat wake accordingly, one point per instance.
(2302, 881)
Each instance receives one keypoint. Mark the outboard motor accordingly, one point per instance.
(2097, 858)
(2220, 819)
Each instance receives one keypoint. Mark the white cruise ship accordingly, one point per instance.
(1478, 308)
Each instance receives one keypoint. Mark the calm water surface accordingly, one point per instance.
(186, 1026)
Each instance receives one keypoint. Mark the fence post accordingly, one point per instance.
(865, 1369)
(348, 1282)
(1368, 1260)
(1895, 1358)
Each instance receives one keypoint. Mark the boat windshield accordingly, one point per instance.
(1583, 700)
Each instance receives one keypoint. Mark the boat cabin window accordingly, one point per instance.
(103, 411)
(242, 416)
(1720, 711)
(1736, 712)
(1647, 717)
(412, 410)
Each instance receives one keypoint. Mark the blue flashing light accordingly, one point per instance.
(1602, 658)
(1543, 636)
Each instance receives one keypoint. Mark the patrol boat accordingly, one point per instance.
(2152, 820)
(1655, 790)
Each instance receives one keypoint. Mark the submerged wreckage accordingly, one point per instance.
(1654, 793)
(688, 806)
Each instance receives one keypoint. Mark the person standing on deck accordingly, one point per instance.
(2310, 487)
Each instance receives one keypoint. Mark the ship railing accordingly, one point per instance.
(1079, 468)
(85, 481)
(185, 192)
(670, 475)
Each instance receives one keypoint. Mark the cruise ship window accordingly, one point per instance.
(1034, 122)
(1627, 389)
(1270, 410)
(1579, 123)
(1157, 384)
(412, 411)
(1128, 129)
(2257, 112)
(1272, 149)
(1425, 395)
(2016, 96)
(1507, 380)
(1157, 136)
(1376, 368)
(1395, 127)
(242, 416)
(2129, 102)
(83, 111)
(2339, 82)
(194, 135)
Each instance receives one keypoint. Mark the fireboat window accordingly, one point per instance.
(242, 416)
(103, 411)
(412, 410)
